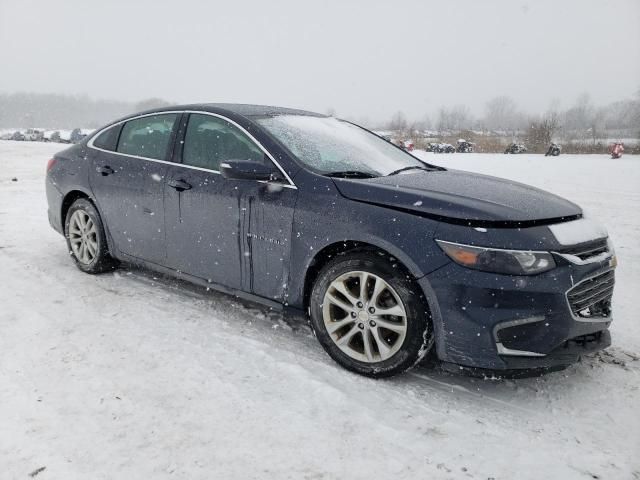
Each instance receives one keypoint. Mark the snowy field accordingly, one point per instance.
(127, 376)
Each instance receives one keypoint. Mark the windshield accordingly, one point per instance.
(329, 145)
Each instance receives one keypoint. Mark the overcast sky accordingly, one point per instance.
(365, 59)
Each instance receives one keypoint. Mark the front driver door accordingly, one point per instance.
(235, 233)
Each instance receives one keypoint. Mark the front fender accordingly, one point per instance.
(325, 218)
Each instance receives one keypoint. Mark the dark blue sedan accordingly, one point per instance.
(390, 257)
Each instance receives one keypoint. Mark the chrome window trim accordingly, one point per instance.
(154, 114)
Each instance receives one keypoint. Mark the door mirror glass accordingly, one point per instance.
(245, 170)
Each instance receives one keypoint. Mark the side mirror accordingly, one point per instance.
(245, 170)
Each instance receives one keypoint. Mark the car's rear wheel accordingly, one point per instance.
(370, 316)
(86, 238)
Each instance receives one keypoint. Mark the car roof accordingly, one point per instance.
(226, 109)
(243, 109)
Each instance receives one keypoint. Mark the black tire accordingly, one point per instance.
(102, 261)
(419, 335)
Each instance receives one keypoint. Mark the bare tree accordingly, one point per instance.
(502, 114)
(398, 122)
(543, 130)
(578, 119)
(454, 119)
(47, 110)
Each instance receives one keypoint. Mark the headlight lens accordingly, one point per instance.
(510, 262)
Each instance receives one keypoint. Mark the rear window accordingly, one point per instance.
(108, 139)
(147, 136)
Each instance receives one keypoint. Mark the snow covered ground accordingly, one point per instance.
(130, 376)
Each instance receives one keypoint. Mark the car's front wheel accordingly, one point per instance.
(86, 238)
(370, 316)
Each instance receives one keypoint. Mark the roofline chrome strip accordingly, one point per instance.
(155, 114)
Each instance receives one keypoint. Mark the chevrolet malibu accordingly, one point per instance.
(390, 257)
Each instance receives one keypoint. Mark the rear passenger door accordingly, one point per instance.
(130, 163)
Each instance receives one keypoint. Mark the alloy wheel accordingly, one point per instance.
(83, 237)
(364, 316)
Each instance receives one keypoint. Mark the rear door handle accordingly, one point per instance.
(105, 170)
(179, 185)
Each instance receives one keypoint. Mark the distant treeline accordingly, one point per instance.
(46, 110)
(579, 123)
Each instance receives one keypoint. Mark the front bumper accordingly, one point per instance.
(502, 322)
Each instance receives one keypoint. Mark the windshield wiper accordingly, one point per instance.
(412, 167)
(350, 174)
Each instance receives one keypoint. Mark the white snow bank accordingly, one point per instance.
(128, 375)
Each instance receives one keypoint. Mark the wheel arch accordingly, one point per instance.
(327, 253)
(73, 195)
(70, 197)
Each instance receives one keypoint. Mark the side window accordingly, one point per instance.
(108, 139)
(211, 140)
(147, 136)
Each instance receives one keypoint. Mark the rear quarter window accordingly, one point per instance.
(108, 140)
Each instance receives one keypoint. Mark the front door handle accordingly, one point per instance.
(179, 185)
(105, 170)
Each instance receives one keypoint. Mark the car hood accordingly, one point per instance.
(462, 197)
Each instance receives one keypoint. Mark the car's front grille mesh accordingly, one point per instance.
(588, 249)
(592, 297)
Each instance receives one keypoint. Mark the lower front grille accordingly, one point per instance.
(592, 297)
(584, 340)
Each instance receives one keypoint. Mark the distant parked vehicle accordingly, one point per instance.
(554, 150)
(76, 135)
(441, 148)
(465, 146)
(65, 136)
(18, 136)
(6, 135)
(406, 145)
(616, 149)
(516, 148)
(51, 136)
(33, 135)
(447, 148)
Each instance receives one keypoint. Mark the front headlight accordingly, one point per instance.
(510, 262)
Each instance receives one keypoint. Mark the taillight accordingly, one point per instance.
(51, 163)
